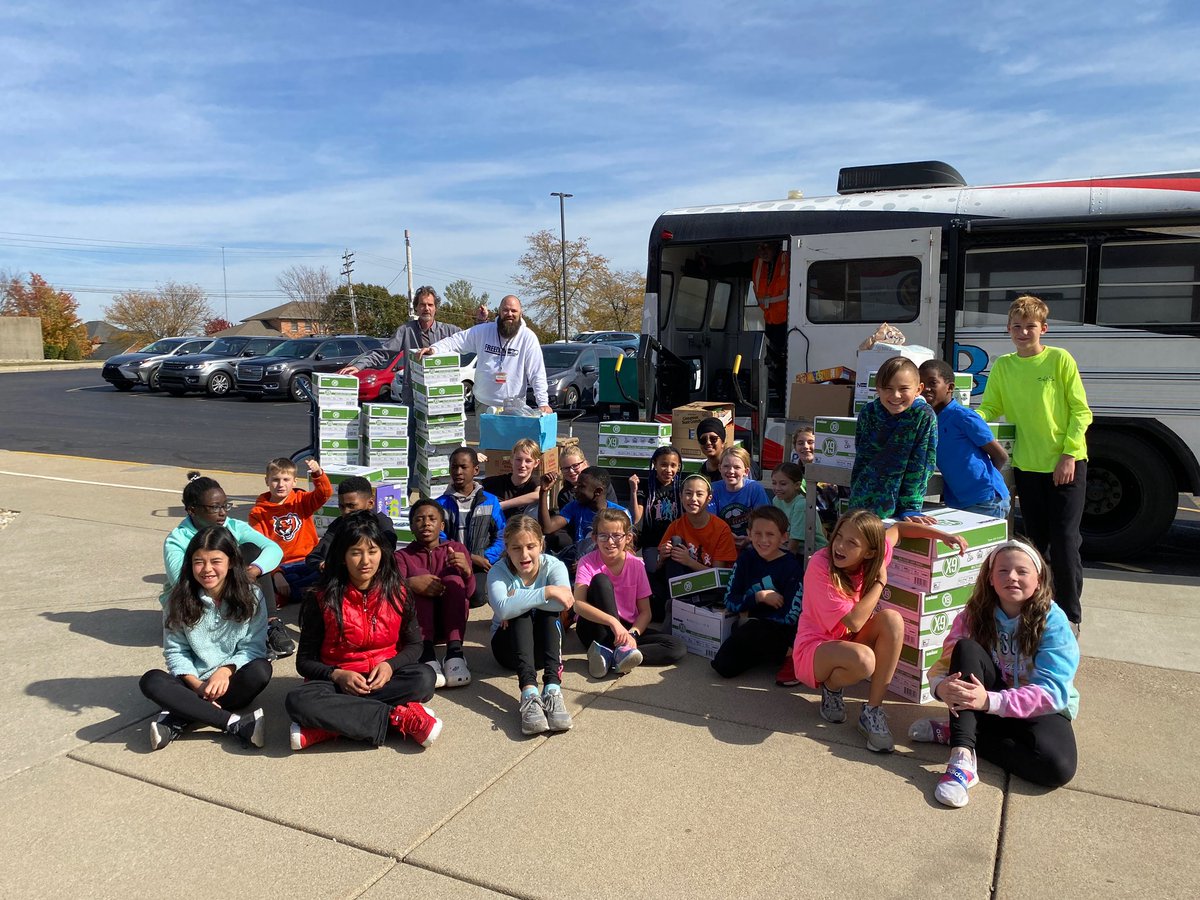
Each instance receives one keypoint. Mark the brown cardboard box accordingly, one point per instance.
(684, 420)
(811, 400)
(499, 462)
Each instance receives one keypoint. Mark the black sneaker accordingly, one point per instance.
(164, 728)
(249, 729)
(279, 642)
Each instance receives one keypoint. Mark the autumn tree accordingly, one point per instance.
(63, 334)
(614, 303)
(212, 326)
(308, 287)
(172, 309)
(540, 280)
(459, 302)
(380, 313)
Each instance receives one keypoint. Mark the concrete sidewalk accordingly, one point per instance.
(672, 783)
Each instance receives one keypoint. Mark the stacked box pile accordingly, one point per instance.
(929, 584)
(629, 445)
(869, 362)
(964, 383)
(440, 419)
(698, 614)
(385, 440)
(337, 419)
(338, 473)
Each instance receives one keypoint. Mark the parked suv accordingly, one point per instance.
(573, 371)
(129, 369)
(280, 372)
(212, 370)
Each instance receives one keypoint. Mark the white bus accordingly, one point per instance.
(1117, 259)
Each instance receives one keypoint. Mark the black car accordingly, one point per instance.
(212, 370)
(129, 369)
(280, 372)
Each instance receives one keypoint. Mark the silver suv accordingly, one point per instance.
(129, 369)
(213, 370)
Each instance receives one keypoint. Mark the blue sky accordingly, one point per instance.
(142, 137)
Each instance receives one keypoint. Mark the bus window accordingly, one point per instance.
(997, 276)
(885, 289)
(689, 303)
(1149, 283)
(720, 306)
(665, 282)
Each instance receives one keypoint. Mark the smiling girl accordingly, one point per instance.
(697, 539)
(360, 649)
(1007, 676)
(842, 638)
(735, 495)
(215, 644)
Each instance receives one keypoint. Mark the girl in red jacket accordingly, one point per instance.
(440, 578)
(360, 646)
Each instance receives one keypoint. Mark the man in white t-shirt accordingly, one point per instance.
(508, 358)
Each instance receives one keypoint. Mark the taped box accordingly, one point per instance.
(975, 529)
(925, 631)
(684, 420)
(702, 628)
(699, 581)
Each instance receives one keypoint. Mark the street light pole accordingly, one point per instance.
(562, 226)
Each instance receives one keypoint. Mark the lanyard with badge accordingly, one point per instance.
(501, 375)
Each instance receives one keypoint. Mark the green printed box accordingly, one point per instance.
(387, 443)
(436, 370)
(340, 458)
(638, 463)
(702, 628)
(432, 468)
(616, 443)
(332, 415)
(339, 443)
(385, 427)
(339, 473)
(918, 573)
(923, 632)
(431, 433)
(453, 415)
(1004, 431)
(337, 430)
(975, 529)
(425, 449)
(834, 441)
(699, 581)
(327, 382)
(393, 474)
(923, 604)
(427, 392)
(385, 458)
(660, 430)
(384, 411)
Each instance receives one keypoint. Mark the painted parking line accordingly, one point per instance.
(90, 387)
(132, 487)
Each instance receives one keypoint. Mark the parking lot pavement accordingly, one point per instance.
(673, 782)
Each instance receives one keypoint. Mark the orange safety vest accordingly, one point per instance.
(771, 288)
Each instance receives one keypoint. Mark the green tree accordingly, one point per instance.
(58, 310)
(171, 310)
(459, 302)
(380, 313)
(614, 303)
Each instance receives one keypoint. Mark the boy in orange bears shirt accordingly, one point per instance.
(284, 513)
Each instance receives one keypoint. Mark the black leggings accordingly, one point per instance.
(1041, 749)
(265, 581)
(171, 694)
(752, 642)
(658, 649)
(1050, 515)
(529, 638)
(479, 598)
(321, 704)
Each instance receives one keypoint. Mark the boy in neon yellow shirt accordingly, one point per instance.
(1039, 390)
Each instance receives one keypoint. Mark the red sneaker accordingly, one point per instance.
(305, 737)
(416, 721)
(786, 676)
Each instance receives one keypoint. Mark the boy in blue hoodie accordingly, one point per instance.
(473, 518)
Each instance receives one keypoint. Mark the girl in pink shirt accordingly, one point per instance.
(612, 598)
(842, 639)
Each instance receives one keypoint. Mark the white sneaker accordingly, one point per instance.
(440, 681)
(960, 776)
(457, 673)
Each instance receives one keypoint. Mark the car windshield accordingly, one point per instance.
(225, 345)
(294, 349)
(560, 357)
(164, 346)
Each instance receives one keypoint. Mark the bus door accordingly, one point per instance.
(844, 285)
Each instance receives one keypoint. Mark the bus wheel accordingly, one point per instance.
(1131, 496)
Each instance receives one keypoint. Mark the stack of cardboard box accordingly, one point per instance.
(498, 433)
(385, 440)
(929, 584)
(338, 473)
(835, 440)
(338, 417)
(629, 445)
(698, 613)
(440, 418)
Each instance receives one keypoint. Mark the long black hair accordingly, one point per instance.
(198, 485)
(238, 600)
(335, 577)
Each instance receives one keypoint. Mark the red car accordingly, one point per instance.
(375, 385)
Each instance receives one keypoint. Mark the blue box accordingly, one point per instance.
(501, 432)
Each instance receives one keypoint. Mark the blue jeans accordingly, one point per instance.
(299, 575)
(997, 508)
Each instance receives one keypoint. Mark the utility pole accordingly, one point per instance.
(408, 268)
(348, 270)
(564, 324)
(225, 282)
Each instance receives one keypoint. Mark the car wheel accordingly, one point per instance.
(572, 397)
(152, 384)
(469, 396)
(220, 384)
(295, 391)
(385, 394)
(123, 386)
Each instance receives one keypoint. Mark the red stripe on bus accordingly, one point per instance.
(1157, 184)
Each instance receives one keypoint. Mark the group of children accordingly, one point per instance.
(549, 554)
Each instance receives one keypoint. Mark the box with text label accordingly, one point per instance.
(702, 628)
